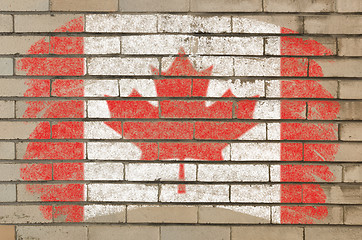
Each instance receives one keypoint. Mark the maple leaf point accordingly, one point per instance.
(182, 66)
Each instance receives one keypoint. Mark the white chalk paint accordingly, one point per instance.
(123, 192)
(113, 151)
(121, 66)
(255, 193)
(93, 211)
(103, 171)
(101, 88)
(159, 172)
(121, 23)
(195, 193)
(193, 24)
(232, 173)
(102, 45)
(255, 151)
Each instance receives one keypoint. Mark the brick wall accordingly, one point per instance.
(180, 119)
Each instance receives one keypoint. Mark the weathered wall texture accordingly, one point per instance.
(181, 119)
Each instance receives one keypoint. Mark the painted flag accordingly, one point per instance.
(178, 109)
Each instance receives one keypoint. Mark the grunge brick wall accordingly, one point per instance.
(180, 119)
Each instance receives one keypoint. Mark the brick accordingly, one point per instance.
(227, 46)
(301, 46)
(234, 214)
(100, 88)
(306, 173)
(104, 213)
(22, 130)
(51, 192)
(194, 24)
(51, 66)
(331, 86)
(51, 150)
(255, 193)
(55, 109)
(340, 194)
(159, 172)
(350, 89)
(7, 232)
(226, 6)
(332, 233)
(266, 24)
(7, 150)
(19, 44)
(336, 24)
(18, 5)
(22, 214)
(89, 171)
(195, 193)
(7, 109)
(98, 109)
(198, 150)
(41, 23)
(349, 6)
(350, 111)
(123, 192)
(230, 131)
(233, 173)
(102, 45)
(338, 67)
(113, 151)
(195, 232)
(127, 232)
(6, 66)
(195, 109)
(83, 5)
(99, 130)
(103, 171)
(335, 214)
(352, 173)
(222, 66)
(6, 23)
(267, 233)
(146, 87)
(121, 23)
(257, 66)
(350, 46)
(8, 193)
(351, 132)
(331, 110)
(10, 172)
(264, 109)
(161, 214)
(13, 87)
(156, 44)
(70, 87)
(121, 66)
(52, 232)
(158, 130)
(352, 215)
(346, 152)
(301, 88)
(68, 130)
(309, 131)
(240, 88)
(299, 6)
(255, 151)
(154, 6)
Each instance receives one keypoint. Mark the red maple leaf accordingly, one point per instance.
(180, 87)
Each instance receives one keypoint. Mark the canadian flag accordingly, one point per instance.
(216, 114)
